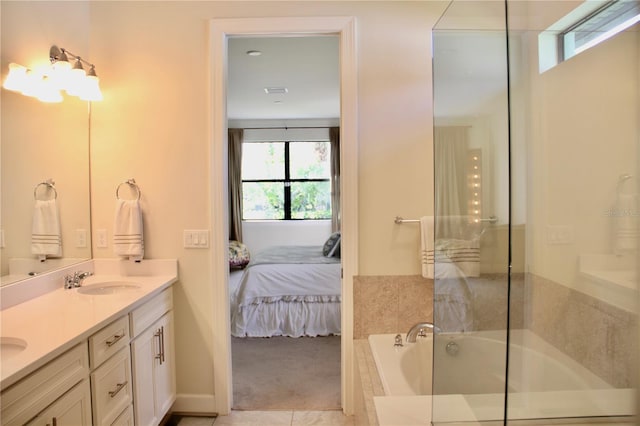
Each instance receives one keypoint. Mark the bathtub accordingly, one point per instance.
(543, 382)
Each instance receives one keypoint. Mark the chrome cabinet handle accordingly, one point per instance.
(158, 334)
(119, 387)
(162, 344)
(114, 339)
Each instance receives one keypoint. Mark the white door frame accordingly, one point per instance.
(220, 31)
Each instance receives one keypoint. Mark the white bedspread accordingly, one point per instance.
(287, 300)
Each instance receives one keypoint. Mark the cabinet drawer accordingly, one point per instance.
(111, 388)
(148, 313)
(125, 419)
(108, 341)
(24, 400)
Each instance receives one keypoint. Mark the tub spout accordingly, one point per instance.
(420, 330)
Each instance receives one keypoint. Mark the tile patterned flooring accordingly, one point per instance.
(272, 418)
(319, 418)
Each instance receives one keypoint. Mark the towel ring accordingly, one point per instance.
(50, 184)
(132, 183)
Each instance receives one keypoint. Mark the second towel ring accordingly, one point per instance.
(50, 184)
(132, 183)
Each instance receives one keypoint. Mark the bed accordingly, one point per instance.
(289, 291)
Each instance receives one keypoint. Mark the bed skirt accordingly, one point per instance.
(288, 316)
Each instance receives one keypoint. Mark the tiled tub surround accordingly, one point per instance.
(391, 304)
(598, 335)
(386, 304)
(56, 320)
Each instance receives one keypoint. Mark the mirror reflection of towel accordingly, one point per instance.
(625, 236)
(46, 237)
(128, 240)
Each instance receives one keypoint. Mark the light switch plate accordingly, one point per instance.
(195, 238)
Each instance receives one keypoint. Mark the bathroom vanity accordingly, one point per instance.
(98, 354)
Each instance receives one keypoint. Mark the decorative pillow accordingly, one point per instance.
(332, 246)
(239, 255)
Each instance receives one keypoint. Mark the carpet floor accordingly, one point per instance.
(283, 373)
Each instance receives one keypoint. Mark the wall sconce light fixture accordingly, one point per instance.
(48, 83)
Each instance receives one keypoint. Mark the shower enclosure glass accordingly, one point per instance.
(536, 216)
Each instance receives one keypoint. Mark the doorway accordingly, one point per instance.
(221, 31)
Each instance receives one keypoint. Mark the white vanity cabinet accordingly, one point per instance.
(72, 409)
(153, 361)
(50, 395)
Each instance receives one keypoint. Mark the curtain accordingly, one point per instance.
(334, 137)
(450, 154)
(235, 184)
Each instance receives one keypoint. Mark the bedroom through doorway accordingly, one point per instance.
(283, 116)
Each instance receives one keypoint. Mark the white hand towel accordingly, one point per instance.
(426, 246)
(128, 240)
(46, 237)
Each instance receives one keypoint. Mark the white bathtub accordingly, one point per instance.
(543, 382)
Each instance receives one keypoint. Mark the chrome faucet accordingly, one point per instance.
(75, 280)
(420, 330)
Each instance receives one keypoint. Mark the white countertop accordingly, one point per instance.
(58, 320)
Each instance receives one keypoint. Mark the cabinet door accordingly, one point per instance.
(164, 369)
(145, 350)
(152, 355)
(71, 409)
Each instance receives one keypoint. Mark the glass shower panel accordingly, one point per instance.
(574, 157)
(472, 213)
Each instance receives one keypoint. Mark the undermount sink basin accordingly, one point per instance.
(11, 346)
(108, 287)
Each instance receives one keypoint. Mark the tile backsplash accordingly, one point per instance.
(390, 303)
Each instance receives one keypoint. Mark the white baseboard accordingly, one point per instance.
(195, 404)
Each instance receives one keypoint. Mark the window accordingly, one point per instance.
(612, 18)
(286, 180)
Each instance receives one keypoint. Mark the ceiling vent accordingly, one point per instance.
(275, 90)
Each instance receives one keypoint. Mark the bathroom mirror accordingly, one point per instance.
(41, 141)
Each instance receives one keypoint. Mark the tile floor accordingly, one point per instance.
(320, 418)
(272, 418)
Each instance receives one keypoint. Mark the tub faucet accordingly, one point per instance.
(75, 280)
(420, 330)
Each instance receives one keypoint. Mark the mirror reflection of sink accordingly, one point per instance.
(11, 346)
(108, 287)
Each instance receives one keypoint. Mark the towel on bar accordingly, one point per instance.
(464, 254)
(426, 246)
(128, 238)
(625, 223)
(46, 236)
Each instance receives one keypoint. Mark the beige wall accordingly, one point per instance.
(152, 126)
(584, 135)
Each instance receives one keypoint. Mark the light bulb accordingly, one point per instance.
(76, 79)
(16, 79)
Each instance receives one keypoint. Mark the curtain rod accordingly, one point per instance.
(283, 128)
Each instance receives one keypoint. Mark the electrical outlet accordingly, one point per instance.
(81, 238)
(101, 238)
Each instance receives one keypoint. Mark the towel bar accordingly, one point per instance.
(399, 220)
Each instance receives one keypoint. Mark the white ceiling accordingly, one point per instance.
(469, 70)
(307, 66)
